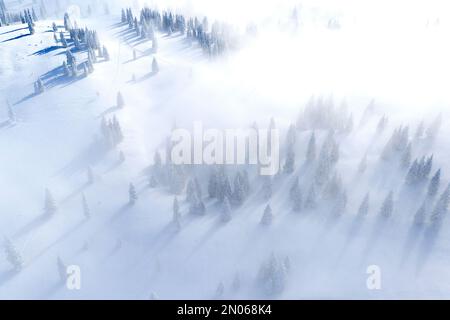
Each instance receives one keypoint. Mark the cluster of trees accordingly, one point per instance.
(322, 114)
(273, 274)
(27, 16)
(111, 131)
(214, 40)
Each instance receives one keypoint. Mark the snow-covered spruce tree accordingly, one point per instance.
(267, 216)
(190, 192)
(123, 17)
(155, 67)
(238, 195)
(176, 214)
(86, 211)
(363, 209)
(49, 204)
(433, 187)
(387, 207)
(67, 22)
(120, 100)
(220, 291)
(31, 28)
(54, 27)
(226, 211)
(106, 54)
(289, 164)
(311, 150)
(441, 207)
(62, 270)
(132, 194)
(13, 256)
(85, 70)
(272, 276)
(382, 124)
(420, 131)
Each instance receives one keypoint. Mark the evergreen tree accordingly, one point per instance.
(387, 207)
(441, 207)
(13, 256)
(105, 54)
(155, 67)
(31, 28)
(176, 214)
(62, 270)
(238, 192)
(86, 211)
(49, 204)
(226, 210)
(120, 100)
(433, 187)
(311, 151)
(267, 216)
(363, 209)
(191, 195)
(132, 194)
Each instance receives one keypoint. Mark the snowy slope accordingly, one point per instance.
(128, 252)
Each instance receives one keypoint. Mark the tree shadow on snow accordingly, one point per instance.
(16, 38)
(46, 50)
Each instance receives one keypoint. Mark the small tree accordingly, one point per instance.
(267, 216)
(86, 211)
(155, 67)
(226, 210)
(120, 100)
(13, 256)
(388, 206)
(132, 194)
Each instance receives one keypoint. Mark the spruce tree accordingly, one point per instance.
(363, 209)
(226, 210)
(267, 216)
(86, 211)
(132, 194)
(13, 256)
(387, 207)
(120, 100)
(433, 187)
(155, 67)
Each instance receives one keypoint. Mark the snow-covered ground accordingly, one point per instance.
(130, 252)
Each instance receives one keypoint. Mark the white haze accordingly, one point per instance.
(396, 53)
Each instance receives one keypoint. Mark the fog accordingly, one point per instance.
(353, 73)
